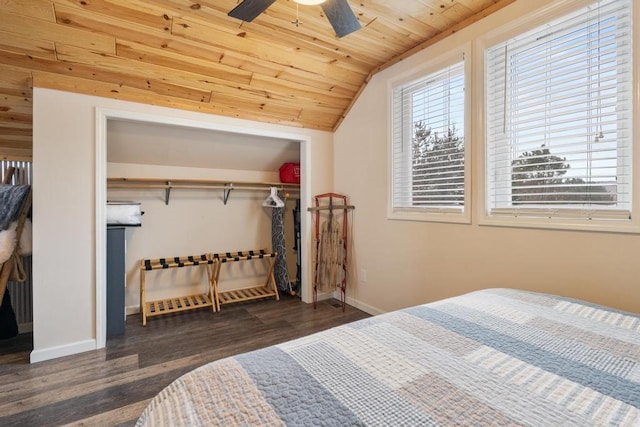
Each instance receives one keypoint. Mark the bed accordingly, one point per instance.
(491, 357)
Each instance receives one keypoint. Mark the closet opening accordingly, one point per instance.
(192, 220)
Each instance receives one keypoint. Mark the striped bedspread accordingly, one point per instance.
(493, 357)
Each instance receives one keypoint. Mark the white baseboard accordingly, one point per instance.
(132, 309)
(361, 306)
(352, 302)
(62, 350)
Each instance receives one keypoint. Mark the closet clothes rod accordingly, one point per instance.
(168, 185)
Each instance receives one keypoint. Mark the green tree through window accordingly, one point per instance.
(438, 166)
(538, 177)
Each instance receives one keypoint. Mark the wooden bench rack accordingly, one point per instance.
(269, 289)
(173, 305)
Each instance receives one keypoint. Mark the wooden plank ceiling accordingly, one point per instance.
(189, 54)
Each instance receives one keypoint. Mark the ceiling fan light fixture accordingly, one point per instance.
(338, 12)
(309, 2)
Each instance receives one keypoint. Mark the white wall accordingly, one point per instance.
(407, 263)
(64, 209)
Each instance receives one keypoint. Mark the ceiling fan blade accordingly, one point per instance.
(341, 17)
(248, 10)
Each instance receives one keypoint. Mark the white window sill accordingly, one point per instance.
(453, 216)
(569, 224)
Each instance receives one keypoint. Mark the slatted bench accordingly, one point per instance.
(173, 305)
(269, 289)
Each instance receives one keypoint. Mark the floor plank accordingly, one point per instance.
(120, 416)
(18, 387)
(111, 386)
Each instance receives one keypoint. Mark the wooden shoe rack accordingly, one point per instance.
(173, 305)
(269, 289)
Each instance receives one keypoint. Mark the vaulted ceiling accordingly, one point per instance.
(189, 54)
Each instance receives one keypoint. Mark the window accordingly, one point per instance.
(559, 116)
(428, 146)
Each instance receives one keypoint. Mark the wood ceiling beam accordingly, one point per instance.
(279, 54)
(74, 67)
(125, 10)
(32, 47)
(16, 117)
(409, 22)
(38, 29)
(444, 34)
(208, 52)
(8, 130)
(142, 53)
(300, 91)
(16, 154)
(212, 48)
(21, 104)
(15, 78)
(12, 141)
(324, 41)
(110, 90)
(183, 79)
(39, 9)
(8, 124)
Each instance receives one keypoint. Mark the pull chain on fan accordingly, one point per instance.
(297, 22)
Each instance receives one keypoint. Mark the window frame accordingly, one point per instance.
(432, 214)
(502, 33)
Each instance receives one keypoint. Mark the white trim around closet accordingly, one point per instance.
(103, 115)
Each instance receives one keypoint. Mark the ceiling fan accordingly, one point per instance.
(338, 12)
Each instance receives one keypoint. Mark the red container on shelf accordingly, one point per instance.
(290, 173)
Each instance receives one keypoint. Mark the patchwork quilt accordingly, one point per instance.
(492, 357)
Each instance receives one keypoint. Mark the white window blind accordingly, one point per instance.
(428, 142)
(22, 174)
(559, 114)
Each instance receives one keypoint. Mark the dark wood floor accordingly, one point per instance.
(112, 386)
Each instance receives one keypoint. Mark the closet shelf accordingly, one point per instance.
(169, 184)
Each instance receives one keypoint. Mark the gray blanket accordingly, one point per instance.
(12, 199)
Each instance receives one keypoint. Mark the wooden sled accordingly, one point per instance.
(336, 258)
